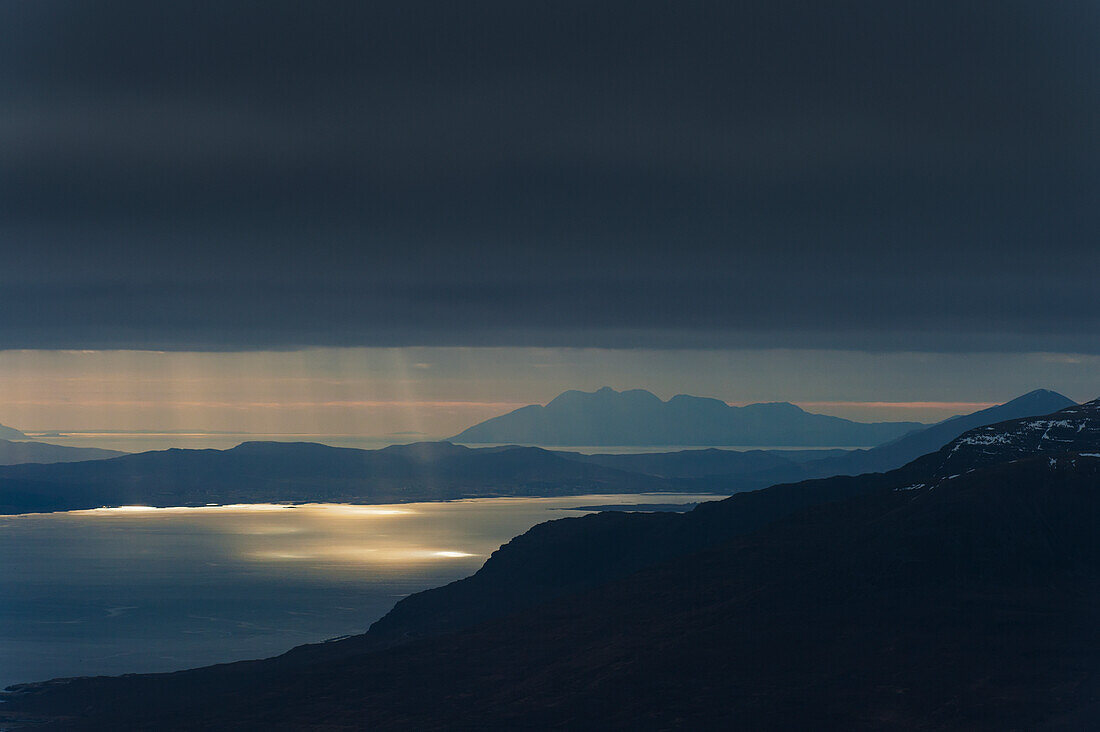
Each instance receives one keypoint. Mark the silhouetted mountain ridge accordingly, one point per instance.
(614, 546)
(732, 470)
(1073, 430)
(10, 433)
(257, 472)
(900, 600)
(898, 452)
(277, 471)
(14, 453)
(638, 417)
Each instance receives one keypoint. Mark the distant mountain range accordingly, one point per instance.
(956, 592)
(13, 453)
(10, 433)
(256, 472)
(898, 452)
(306, 472)
(638, 417)
(732, 470)
(16, 447)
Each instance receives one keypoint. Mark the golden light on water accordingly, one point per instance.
(346, 540)
(311, 535)
(280, 556)
(381, 553)
(355, 510)
(271, 530)
(330, 510)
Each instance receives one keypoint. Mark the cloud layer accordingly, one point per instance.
(242, 175)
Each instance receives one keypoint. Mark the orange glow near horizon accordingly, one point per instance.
(409, 394)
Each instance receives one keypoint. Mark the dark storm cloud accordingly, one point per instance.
(240, 175)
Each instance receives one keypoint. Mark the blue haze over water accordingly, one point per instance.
(116, 591)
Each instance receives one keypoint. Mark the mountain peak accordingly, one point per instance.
(639, 417)
(426, 451)
(276, 446)
(1042, 395)
(602, 395)
(689, 399)
(1073, 429)
(778, 406)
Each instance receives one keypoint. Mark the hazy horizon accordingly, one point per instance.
(433, 393)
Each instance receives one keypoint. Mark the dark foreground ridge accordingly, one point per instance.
(957, 592)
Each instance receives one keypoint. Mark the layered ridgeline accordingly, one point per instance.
(638, 417)
(27, 451)
(10, 433)
(16, 447)
(898, 452)
(730, 470)
(275, 471)
(259, 472)
(958, 591)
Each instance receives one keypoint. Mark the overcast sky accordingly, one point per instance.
(243, 175)
(891, 203)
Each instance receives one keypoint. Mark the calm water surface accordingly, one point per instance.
(135, 589)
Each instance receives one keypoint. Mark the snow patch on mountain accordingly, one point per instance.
(1073, 429)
